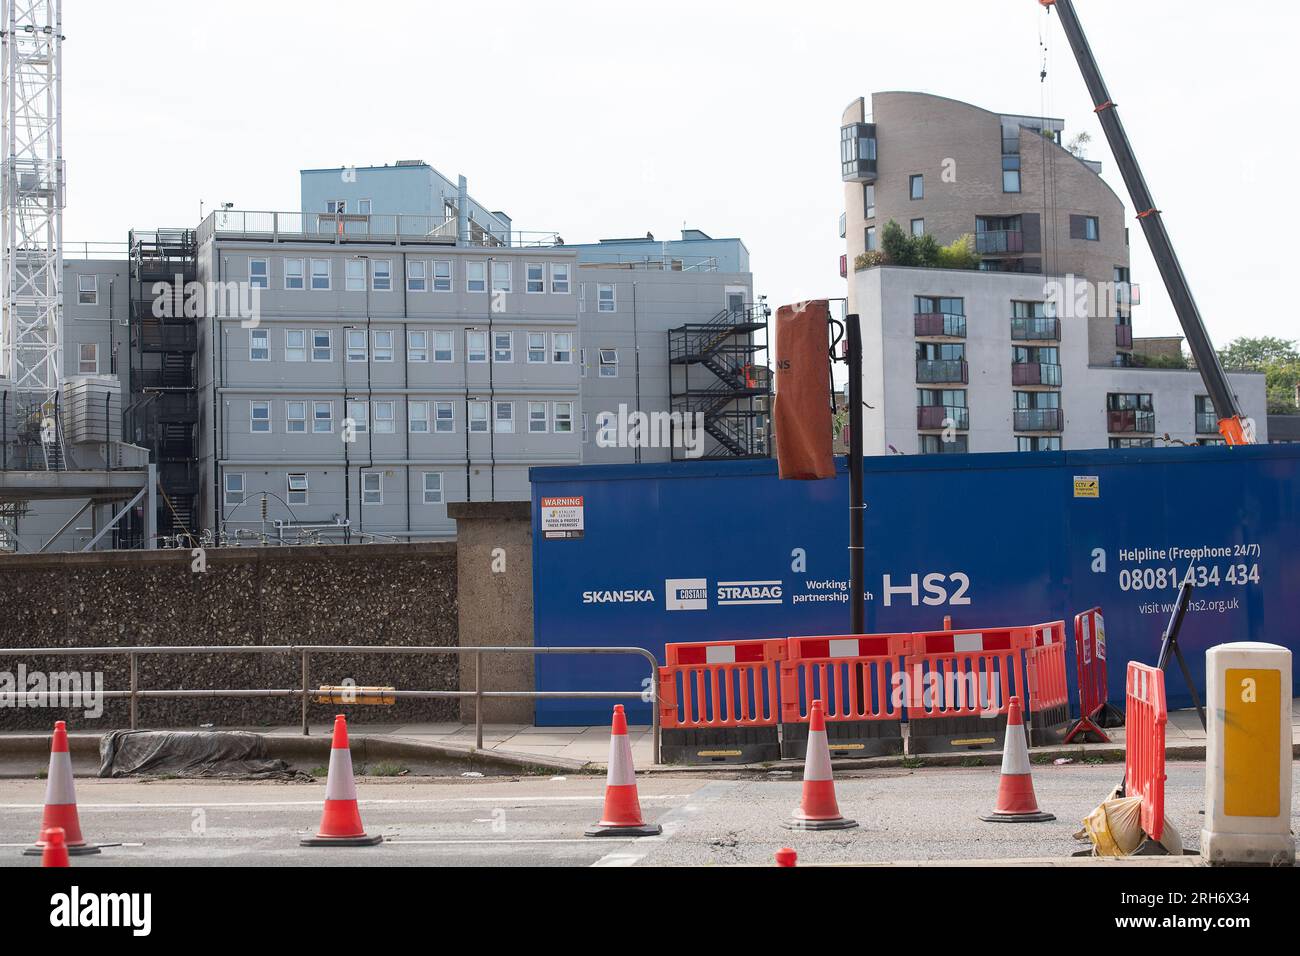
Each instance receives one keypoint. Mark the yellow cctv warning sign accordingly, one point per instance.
(1087, 486)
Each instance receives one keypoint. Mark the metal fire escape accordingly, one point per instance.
(162, 411)
(729, 393)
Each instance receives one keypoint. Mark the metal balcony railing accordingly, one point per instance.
(352, 227)
(935, 417)
(1035, 373)
(1036, 329)
(1131, 421)
(1039, 420)
(999, 242)
(942, 371)
(941, 323)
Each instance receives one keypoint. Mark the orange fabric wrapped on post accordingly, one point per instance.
(802, 411)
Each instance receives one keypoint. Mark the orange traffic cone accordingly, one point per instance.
(786, 857)
(340, 824)
(61, 800)
(818, 810)
(56, 851)
(1016, 800)
(622, 816)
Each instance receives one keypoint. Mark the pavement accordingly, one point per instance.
(926, 815)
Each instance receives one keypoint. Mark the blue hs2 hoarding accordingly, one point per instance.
(707, 551)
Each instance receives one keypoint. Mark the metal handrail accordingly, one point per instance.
(305, 651)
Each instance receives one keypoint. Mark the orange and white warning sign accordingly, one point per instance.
(562, 517)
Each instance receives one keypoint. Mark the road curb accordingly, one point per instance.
(296, 748)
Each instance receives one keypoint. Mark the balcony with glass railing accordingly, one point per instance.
(1039, 420)
(938, 371)
(1035, 373)
(995, 242)
(1036, 329)
(1131, 421)
(939, 417)
(940, 324)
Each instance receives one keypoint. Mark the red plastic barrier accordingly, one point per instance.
(959, 684)
(719, 701)
(858, 679)
(1049, 690)
(1090, 665)
(1145, 717)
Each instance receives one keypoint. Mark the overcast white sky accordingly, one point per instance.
(599, 119)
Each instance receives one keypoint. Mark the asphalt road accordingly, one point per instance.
(924, 814)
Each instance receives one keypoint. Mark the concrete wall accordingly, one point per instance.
(377, 594)
(494, 574)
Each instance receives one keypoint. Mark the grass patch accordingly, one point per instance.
(42, 774)
(912, 763)
(319, 771)
(1041, 758)
(386, 769)
(972, 761)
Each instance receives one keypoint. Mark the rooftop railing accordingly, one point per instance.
(268, 226)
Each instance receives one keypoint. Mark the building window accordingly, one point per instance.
(444, 418)
(320, 275)
(416, 280)
(259, 276)
(475, 276)
(582, 362)
(535, 277)
(384, 424)
(293, 274)
(384, 346)
(562, 413)
(296, 488)
(356, 345)
(372, 487)
(295, 416)
(358, 416)
(537, 421)
(1038, 443)
(937, 445)
(869, 240)
(1207, 419)
(609, 363)
(536, 347)
(381, 275)
(355, 280)
(322, 417)
(562, 347)
(504, 416)
(322, 349)
(918, 227)
(433, 487)
(417, 346)
(476, 346)
(442, 275)
(560, 278)
(363, 207)
(295, 345)
(259, 345)
(88, 358)
(1091, 228)
(88, 290)
(1132, 443)
(1011, 174)
(478, 416)
(869, 201)
(234, 489)
(916, 186)
(605, 301)
(443, 347)
(259, 414)
(417, 418)
(503, 347)
(336, 207)
(501, 276)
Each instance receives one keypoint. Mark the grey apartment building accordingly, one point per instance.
(1032, 350)
(344, 371)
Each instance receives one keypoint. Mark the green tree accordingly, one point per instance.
(1278, 359)
(897, 245)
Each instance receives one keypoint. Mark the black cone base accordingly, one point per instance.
(342, 841)
(642, 830)
(1035, 817)
(39, 850)
(839, 823)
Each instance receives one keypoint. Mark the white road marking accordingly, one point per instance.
(588, 842)
(620, 859)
